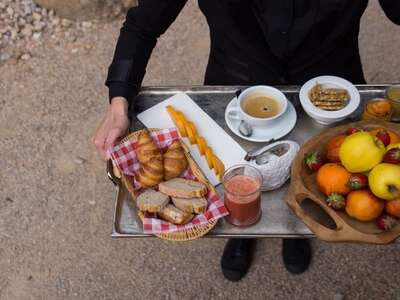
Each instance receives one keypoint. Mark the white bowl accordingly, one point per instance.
(329, 117)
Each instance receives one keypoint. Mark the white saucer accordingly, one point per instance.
(275, 130)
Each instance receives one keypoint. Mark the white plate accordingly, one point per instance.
(223, 145)
(323, 116)
(276, 130)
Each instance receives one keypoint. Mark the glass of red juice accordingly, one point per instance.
(242, 195)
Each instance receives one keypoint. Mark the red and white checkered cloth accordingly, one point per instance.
(124, 156)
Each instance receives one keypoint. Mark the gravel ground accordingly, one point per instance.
(56, 203)
(23, 22)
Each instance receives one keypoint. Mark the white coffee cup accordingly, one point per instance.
(237, 112)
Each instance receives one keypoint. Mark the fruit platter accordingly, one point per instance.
(352, 172)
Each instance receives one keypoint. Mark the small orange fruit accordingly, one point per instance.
(394, 137)
(333, 178)
(332, 148)
(362, 205)
(392, 207)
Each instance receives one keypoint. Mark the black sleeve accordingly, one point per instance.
(391, 9)
(143, 25)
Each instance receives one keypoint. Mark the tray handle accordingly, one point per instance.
(343, 232)
(113, 173)
(311, 222)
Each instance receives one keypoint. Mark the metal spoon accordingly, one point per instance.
(257, 151)
(276, 151)
(244, 128)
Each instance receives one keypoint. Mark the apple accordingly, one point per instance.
(384, 181)
(391, 146)
(392, 156)
(360, 152)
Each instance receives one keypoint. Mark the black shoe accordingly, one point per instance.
(236, 260)
(296, 255)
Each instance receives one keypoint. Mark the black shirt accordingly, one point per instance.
(252, 41)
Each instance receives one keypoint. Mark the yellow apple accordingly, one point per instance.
(390, 146)
(360, 152)
(384, 181)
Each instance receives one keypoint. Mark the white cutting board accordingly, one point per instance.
(223, 145)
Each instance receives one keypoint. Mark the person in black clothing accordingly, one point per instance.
(252, 42)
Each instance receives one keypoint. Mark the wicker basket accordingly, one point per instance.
(184, 235)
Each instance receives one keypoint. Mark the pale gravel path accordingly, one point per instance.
(56, 203)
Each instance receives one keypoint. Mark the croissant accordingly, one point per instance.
(174, 161)
(147, 149)
(152, 173)
(149, 155)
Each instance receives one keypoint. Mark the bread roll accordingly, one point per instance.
(174, 161)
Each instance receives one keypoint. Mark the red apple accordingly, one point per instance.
(392, 156)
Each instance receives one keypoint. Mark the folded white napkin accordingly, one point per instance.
(277, 169)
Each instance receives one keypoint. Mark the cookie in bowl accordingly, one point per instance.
(329, 99)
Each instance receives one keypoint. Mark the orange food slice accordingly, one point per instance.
(219, 167)
(172, 112)
(209, 157)
(191, 132)
(201, 144)
(181, 123)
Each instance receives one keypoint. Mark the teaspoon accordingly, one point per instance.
(244, 128)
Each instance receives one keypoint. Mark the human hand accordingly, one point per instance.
(112, 127)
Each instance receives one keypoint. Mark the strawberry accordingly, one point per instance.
(386, 222)
(352, 130)
(336, 201)
(357, 181)
(392, 156)
(384, 136)
(314, 160)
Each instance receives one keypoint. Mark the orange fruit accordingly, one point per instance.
(392, 207)
(394, 137)
(333, 178)
(332, 148)
(362, 205)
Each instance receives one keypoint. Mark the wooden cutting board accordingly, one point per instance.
(303, 186)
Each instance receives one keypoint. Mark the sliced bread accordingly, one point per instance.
(152, 201)
(192, 205)
(183, 188)
(174, 215)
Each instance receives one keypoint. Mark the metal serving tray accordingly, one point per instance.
(277, 219)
